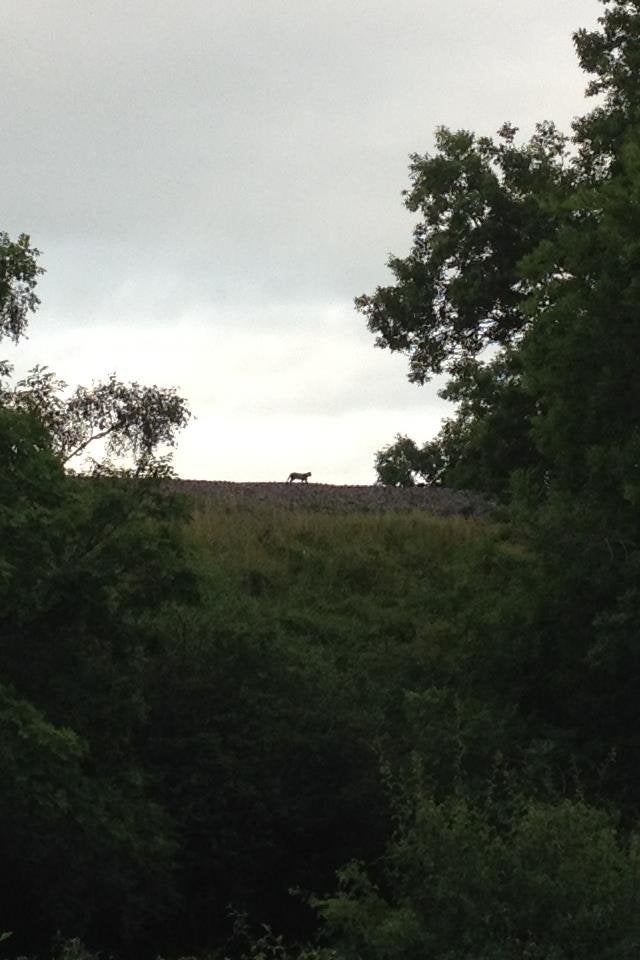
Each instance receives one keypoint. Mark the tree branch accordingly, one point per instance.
(85, 443)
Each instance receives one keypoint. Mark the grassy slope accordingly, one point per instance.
(385, 601)
(324, 575)
(307, 667)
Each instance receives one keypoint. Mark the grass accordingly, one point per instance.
(382, 591)
(361, 611)
(270, 537)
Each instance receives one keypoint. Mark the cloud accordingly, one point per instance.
(255, 149)
(212, 183)
(322, 395)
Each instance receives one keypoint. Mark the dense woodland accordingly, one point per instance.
(271, 734)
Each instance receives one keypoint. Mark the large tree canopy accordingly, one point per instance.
(522, 285)
(483, 205)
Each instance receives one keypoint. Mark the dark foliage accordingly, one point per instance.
(205, 715)
(19, 271)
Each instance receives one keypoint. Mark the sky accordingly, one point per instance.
(212, 183)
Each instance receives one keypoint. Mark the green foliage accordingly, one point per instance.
(483, 445)
(580, 357)
(86, 570)
(530, 252)
(127, 418)
(554, 881)
(74, 950)
(200, 714)
(483, 205)
(284, 688)
(19, 271)
(345, 676)
(30, 469)
(402, 462)
(60, 821)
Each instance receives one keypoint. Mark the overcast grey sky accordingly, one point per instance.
(213, 182)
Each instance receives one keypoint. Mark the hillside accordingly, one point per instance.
(334, 497)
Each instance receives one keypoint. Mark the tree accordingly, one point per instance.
(401, 463)
(484, 204)
(552, 881)
(131, 420)
(458, 301)
(483, 444)
(512, 239)
(87, 572)
(19, 272)
(537, 324)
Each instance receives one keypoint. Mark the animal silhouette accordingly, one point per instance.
(302, 477)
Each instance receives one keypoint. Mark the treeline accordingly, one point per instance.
(381, 736)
